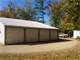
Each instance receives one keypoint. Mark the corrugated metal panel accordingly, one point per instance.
(24, 23)
(14, 35)
(54, 35)
(31, 35)
(44, 35)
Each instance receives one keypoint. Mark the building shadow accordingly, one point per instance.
(47, 42)
(42, 42)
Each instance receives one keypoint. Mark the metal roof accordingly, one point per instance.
(24, 23)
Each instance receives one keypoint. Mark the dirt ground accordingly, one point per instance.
(41, 47)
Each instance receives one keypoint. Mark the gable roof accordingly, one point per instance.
(24, 23)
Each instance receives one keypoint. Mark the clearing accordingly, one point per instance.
(63, 50)
(39, 47)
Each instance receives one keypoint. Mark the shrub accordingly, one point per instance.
(78, 37)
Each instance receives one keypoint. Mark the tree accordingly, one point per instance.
(13, 11)
(72, 15)
(56, 14)
(9, 11)
(27, 14)
(3, 14)
(67, 28)
(39, 8)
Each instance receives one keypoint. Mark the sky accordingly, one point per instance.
(3, 3)
(21, 3)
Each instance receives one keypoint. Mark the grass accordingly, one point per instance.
(67, 54)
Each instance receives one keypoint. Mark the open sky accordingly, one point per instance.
(3, 3)
(21, 3)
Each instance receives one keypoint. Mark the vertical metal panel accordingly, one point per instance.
(31, 35)
(5, 36)
(54, 35)
(44, 35)
(14, 35)
(24, 35)
(38, 35)
(49, 35)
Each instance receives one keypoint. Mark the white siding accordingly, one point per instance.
(14, 35)
(31, 35)
(44, 35)
(76, 34)
(2, 33)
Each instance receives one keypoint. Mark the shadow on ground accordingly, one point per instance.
(43, 42)
(58, 41)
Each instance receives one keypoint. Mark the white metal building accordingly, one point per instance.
(76, 34)
(21, 31)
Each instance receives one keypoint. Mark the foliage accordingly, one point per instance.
(9, 11)
(56, 14)
(13, 11)
(39, 8)
(26, 14)
(65, 14)
(67, 26)
(71, 9)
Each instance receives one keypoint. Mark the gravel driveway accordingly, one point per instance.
(37, 47)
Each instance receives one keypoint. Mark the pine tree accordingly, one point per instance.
(39, 8)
